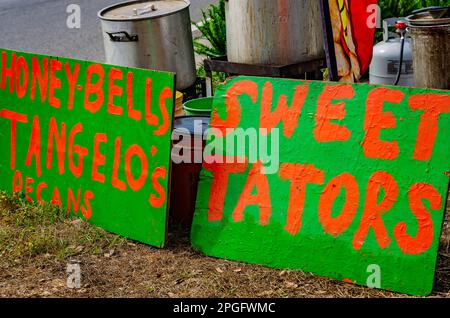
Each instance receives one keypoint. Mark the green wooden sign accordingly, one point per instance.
(91, 138)
(345, 181)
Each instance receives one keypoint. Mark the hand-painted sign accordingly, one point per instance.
(361, 184)
(91, 138)
(349, 29)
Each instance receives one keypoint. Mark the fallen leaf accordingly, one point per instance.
(219, 270)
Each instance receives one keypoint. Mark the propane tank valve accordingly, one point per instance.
(401, 29)
(400, 25)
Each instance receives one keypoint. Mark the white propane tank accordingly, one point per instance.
(386, 59)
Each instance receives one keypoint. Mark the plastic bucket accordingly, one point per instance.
(199, 107)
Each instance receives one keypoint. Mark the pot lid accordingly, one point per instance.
(138, 10)
(430, 17)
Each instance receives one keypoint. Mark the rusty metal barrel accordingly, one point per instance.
(272, 32)
(431, 49)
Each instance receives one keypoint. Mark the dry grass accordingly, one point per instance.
(36, 244)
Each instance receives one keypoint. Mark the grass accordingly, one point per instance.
(29, 231)
(37, 242)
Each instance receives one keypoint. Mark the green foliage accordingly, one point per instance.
(439, 3)
(403, 8)
(213, 29)
(398, 8)
(217, 77)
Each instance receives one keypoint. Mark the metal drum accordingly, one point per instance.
(151, 34)
(273, 32)
(431, 48)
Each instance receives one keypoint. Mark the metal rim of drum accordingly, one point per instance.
(414, 21)
(126, 3)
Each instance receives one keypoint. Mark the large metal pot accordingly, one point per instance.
(431, 48)
(274, 32)
(151, 34)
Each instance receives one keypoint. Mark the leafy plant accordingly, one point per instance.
(398, 8)
(217, 77)
(213, 29)
(403, 8)
(440, 3)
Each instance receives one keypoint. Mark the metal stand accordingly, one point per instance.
(198, 89)
(304, 70)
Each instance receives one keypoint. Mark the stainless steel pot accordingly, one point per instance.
(151, 34)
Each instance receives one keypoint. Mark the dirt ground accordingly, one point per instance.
(34, 253)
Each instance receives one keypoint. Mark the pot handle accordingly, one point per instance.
(122, 36)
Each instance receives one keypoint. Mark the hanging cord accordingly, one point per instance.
(401, 28)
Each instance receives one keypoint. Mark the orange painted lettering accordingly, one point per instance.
(81, 152)
(34, 149)
(256, 179)
(376, 120)
(39, 76)
(157, 201)
(325, 130)
(72, 81)
(114, 90)
(233, 107)
(99, 159)
(14, 118)
(432, 105)
(55, 83)
(338, 225)
(21, 72)
(166, 94)
(8, 72)
(115, 181)
(221, 173)
(300, 176)
(374, 210)
(132, 113)
(58, 138)
(282, 113)
(136, 184)
(94, 88)
(425, 231)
